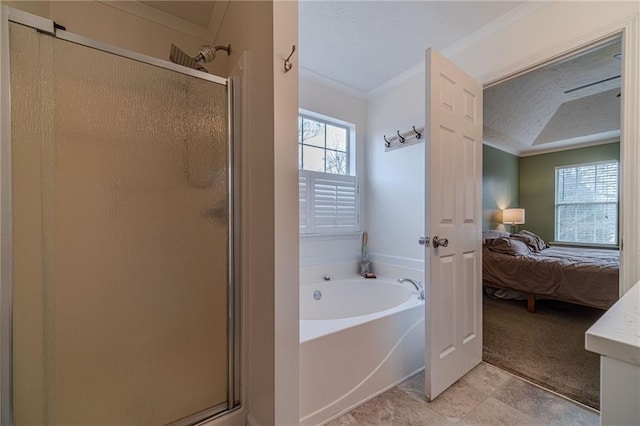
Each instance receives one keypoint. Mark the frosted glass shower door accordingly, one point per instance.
(120, 237)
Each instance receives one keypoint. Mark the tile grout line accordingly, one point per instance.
(408, 393)
(566, 398)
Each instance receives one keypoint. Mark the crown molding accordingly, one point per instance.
(575, 143)
(502, 148)
(501, 22)
(492, 27)
(330, 84)
(566, 145)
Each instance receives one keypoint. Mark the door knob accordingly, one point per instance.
(423, 241)
(440, 242)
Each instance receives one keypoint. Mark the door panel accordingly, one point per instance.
(121, 237)
(453, 210)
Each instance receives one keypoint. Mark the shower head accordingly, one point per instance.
(177, 56)
(208, 53)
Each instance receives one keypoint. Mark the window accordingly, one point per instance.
(587, 203)
(329, 194)
(322, 146)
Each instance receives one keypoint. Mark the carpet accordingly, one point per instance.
(546, 348)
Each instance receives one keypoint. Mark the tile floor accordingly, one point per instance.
(485, 396)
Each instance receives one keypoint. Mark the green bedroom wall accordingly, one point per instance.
(499, 185)
(537, 183)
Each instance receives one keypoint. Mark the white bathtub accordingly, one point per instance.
(362, 337)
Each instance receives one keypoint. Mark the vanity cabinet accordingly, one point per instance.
(616, 337)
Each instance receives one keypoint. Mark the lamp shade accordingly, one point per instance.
(513, 216)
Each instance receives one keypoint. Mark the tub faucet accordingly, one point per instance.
(416, 284)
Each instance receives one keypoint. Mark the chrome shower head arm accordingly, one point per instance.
(208, 53)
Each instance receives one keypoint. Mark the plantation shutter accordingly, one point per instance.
(587, 203)
(328, 203)
(303, 203)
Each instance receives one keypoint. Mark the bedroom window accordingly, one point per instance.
(587, 203)
(329, 199)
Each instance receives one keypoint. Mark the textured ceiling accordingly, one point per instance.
(533, 113)
(363, 44)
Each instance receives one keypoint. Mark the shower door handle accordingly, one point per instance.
(440, 242)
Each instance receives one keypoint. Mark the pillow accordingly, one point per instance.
(511, 246)
(492, 234)
(536, 243)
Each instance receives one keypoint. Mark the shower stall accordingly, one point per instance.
(119, 302)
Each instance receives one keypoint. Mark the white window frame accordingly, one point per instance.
(316, 189)
(351, 135)
(557, 205)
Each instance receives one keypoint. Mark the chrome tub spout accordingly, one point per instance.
(417, 284)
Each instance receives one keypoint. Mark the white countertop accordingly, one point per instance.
(617, 333)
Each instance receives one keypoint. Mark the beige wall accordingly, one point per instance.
(248, 27)
(266, 31)
(101, 22)
(287, 311)
(40, 8)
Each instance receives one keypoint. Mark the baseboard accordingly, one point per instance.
(251, 421)
(236, 417)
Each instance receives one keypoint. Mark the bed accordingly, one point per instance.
(526, 264)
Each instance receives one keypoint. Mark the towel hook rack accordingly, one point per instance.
(403, 139)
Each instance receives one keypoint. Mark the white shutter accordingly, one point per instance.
(331, 203)
(303, 202)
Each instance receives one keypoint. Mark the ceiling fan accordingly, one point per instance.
(604, 80)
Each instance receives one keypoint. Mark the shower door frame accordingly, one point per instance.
(50, 27)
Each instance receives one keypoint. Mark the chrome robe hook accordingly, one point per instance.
(287, 62)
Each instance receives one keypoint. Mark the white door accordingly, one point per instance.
(453, 274)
